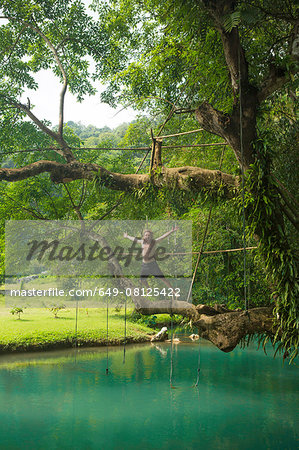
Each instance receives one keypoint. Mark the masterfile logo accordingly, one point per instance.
(92, 261)
(91, 248)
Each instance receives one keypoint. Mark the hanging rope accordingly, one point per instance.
(76, 322)
(198, 363)
(228, 274)
(193, 278)
(76, 331)
(107, 338)
(171, 328)
(200, 252)
(204, 236)
(197, 264)
(243, 183)
(248, 290)
(125, 330)
(171, 350)
(76, 325)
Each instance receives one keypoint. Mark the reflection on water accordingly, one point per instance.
(64, 399)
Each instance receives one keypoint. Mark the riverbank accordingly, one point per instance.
(38, 329)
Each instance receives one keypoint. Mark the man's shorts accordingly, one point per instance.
(151, 269)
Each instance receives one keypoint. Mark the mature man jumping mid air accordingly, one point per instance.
(149, 264)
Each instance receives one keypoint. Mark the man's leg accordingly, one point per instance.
(165, 281)
(144, 283)
(144, 276)
(159, 274)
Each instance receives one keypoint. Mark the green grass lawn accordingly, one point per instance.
(38, 329)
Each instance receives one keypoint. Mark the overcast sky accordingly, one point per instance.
(90, 112)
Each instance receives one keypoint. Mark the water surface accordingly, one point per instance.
(65, 400)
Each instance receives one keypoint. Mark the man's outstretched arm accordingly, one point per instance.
(132, 238)
(167, 234)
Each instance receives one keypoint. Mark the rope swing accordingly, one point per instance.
(125, 330)
(171, 328)
(197, 264)
(171, 351)
(76, 324)
(107, 337)
(243, 183)
(204, 236)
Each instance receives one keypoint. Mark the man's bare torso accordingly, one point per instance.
(148, 251)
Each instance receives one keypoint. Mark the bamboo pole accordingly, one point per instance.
(180, 134)
(208, 251)
(195, 145)
(213, 251)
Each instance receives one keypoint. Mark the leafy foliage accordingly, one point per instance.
(280, 260)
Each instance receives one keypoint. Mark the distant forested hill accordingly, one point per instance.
(94, 137)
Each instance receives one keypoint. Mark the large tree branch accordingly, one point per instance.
(294, 219)
(63, 73)
(233, 51)
(64, 149)
(235, 59)
(34, 213)
(212, 120)
(276, 79)
(245, 95)
(30, 114)
(13, 46)
(226, 330)
(235, 55)
(58, 137)
(59, 172)
(184, 178)
(278, 76)
(243, 115)
(223, 329)
(186, 309)
(228, 127)
(286, 16)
